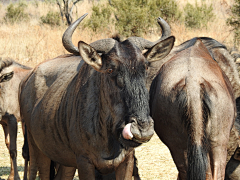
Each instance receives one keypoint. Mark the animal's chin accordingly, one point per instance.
(129, 143)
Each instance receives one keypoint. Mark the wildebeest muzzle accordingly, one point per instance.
(138, 130)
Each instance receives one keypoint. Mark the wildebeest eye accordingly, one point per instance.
(109, 71)
(146, 65)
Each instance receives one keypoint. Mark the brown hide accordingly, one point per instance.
(188, 101)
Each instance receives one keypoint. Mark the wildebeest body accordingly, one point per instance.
(92, 118)
(11, 75)
(66, 72)
(188, 101)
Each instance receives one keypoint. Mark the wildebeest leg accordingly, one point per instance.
(125, 170)
(38, 161)
(10, 132)
(218, 158)
(65, 173)
(170, 136)
(180, 163)
(25, 151)
(43, 166)
(135, 170)
(86, 170)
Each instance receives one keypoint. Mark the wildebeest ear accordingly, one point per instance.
(6, 77)
(90, 55)
(160, 50)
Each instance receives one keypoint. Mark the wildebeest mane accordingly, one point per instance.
(117, 37)
(212, 43)
(208, 42)
(187, 44)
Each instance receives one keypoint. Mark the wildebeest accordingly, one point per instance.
(193, 106)
(93, 118)
(233, 166)
(9, 106)
(61, 173)
(226, 60)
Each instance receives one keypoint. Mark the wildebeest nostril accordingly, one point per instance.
(142, 122)
(132, 119)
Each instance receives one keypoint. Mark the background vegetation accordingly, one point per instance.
(234, 21)
(31, 32)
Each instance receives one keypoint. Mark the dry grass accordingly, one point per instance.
(31, 43)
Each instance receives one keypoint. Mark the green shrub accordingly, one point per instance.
(16, 13)
(234, 21)
(166, 9)
(198, 16)
(52, 19)
(100, 18)
(135, 17)
(131, 17)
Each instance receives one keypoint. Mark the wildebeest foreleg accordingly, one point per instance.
(86, 170)
(25, 151)
(38, 161)
(125, 170)
(10, 132)
(65, 173)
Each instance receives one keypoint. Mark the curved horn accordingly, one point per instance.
(166, 30)
(67, 36)
(145, 44)
(101, 46)
(5, 63)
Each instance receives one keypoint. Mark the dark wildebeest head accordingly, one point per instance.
(188, 104)
(124, 68)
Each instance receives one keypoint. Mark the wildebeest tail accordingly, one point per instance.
(196, 106)
(197, 162)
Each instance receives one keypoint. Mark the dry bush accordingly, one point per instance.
(31, 43)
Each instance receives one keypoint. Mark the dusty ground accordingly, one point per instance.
(154, 159)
